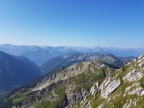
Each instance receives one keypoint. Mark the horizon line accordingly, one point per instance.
(76, 46)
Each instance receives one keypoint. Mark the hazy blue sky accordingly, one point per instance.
(114, 23)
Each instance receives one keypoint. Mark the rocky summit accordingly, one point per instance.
(90, 84)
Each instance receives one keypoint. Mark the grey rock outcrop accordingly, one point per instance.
(95, 88)
(111, 87)
(106, 88)
(78, 96)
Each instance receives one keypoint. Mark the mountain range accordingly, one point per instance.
(40, 54)
(70, 77)
(89, 84)
(64, 62)
(16, 71)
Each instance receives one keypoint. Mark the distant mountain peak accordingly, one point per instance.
(40, 54)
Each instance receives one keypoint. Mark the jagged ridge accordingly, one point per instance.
(91, 84)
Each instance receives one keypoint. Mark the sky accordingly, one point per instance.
(90, 23)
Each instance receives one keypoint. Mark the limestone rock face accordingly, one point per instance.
(95, 88)
(133, 76)
(106, 88)
(137, 73)
(109, 88)
(75, 97)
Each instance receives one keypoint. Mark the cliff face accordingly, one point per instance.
(90, 84)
